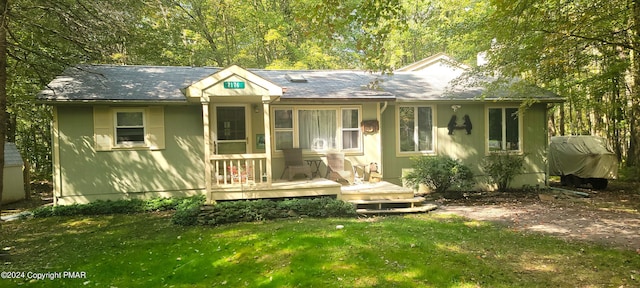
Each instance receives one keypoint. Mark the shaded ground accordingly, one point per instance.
(610, 217)
(41, 194)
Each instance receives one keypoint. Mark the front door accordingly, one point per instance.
(231, 125)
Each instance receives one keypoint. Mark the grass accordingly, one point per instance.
(146, 250)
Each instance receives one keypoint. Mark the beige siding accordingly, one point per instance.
(88, 174)
(103, 128)
(470, 149)
(155, 128)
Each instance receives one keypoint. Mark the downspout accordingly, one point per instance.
(384, 107)
(380, 148)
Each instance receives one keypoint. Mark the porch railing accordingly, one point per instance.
(239, 169)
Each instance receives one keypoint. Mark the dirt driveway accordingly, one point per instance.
(610, 217)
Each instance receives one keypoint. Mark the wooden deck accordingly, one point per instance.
(277, 189)
(368, 198)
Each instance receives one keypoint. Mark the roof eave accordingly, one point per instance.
(110, 101)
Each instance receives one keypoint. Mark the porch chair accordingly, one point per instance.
(294, 165)
(339, 169)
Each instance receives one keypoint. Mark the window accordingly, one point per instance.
(121, 128)
(283, 128)
(129, 128)
(350, 129)
(317, 129)
(504, 129)
(415, 129)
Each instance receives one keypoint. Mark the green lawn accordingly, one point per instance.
(146, 250)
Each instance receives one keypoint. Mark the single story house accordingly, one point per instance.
(13, 185)
(148, 131)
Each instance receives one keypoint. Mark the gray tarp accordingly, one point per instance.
(582, 156)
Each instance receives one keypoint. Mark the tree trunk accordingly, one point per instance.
(4, 7)
(634, 143)
(561, 120)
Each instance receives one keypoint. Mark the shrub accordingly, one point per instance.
(187, 211)
(167, 204)
(439, 173)
(113, 207)
(259, 210)
(502, 168)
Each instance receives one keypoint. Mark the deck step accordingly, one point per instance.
(424, 208)
(389, 201)
(374, 191)
(392, 206)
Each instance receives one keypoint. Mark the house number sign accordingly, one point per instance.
(233, 84)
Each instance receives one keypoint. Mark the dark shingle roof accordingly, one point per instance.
(165, 84)
(329, 84)
(12, 155)
(130, 83)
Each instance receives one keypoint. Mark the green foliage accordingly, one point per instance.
(589, 65)
(577, 51)
(629, 174)
(502, 168)
(116, 207)
(187, 211)
(439, 173)
(259, 210)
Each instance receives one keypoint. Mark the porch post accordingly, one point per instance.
(267, 136)
(207, 151)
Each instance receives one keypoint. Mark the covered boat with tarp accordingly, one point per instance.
(583, 159)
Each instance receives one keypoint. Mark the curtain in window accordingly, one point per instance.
(317, 129)
(350, 129)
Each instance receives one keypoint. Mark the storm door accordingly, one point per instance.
(231, 125)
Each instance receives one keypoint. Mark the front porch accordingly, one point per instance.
(244, 147)
(314, 187)
(237, 181)
(248, 176)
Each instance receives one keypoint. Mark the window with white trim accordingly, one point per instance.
(317, 128)
(415, 129)
(350, 129)
(503, 129)
(129, 128)
(283, 128)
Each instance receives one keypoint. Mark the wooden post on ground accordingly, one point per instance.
(26, 177)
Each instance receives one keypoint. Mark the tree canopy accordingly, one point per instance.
(585, 50)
